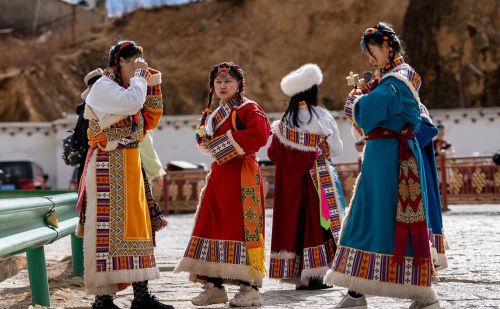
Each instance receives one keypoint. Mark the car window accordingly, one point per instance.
(17, 169)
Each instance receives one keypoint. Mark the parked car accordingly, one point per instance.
(25, 175)
(265, 163)
(185, 166)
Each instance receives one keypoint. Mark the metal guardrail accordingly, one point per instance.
(24, 228)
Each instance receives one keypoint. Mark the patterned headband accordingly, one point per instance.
(225, 68)
(375, 32)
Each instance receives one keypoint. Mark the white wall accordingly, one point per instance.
(476, 132)
(30, 141)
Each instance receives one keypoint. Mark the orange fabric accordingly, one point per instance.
(252, 213)
(152, 117)
(122, 286)
(98, 140)
(138, 224)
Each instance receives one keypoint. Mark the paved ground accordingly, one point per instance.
(471, 281)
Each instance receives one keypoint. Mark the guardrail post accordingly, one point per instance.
(77, 255)
(37, 272)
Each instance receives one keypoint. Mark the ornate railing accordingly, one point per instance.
(181, 189)
(469, 180)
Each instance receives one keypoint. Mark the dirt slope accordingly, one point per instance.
(267, 38)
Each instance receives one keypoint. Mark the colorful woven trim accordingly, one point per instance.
(391, 65)
(222, 149)
(141, 73)
(224, 111)
(298, 137)
(439, 242)
(381, 267)
(313, 257)
(154, 97)
(320, 256)
(327, 185)
(218, 251)
(284, 267)
(410, 74)
(112, 251)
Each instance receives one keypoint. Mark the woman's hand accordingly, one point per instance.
(359, 146)
(140, 63)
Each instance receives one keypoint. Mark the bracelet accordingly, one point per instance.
(141, 73)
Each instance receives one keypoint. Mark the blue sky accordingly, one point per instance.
(118, 7)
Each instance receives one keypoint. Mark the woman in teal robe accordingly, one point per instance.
(384, 245)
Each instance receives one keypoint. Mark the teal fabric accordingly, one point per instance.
(370, 224)
(425, 135)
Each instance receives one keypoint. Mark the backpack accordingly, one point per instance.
(75, 145)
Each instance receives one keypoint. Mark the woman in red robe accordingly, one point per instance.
(307, 215)
(227, 243)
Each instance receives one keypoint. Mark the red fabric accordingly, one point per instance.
(296, 213)
(221, 212)
(417, 229)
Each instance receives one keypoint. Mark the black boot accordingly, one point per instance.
(149, 302)
(314, 284)
(106, 303)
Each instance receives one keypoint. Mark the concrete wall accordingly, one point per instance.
(471, 131)
(54, 15)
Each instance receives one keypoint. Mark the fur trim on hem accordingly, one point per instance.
(309, 273)
(291, 144)
(283, 254)
(378, 288)
(109, 280)
(217, 270)
(441, 262)
(439, 259)
(234, 143)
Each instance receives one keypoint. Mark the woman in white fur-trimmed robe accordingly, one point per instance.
(307, 216)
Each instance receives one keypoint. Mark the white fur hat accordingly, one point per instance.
(301, 79)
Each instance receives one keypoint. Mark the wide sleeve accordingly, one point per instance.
(330, 129)
(153, 106)
(426, 132)
(257, 129)
(106, 96)
(379, 105)
(149, 157)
